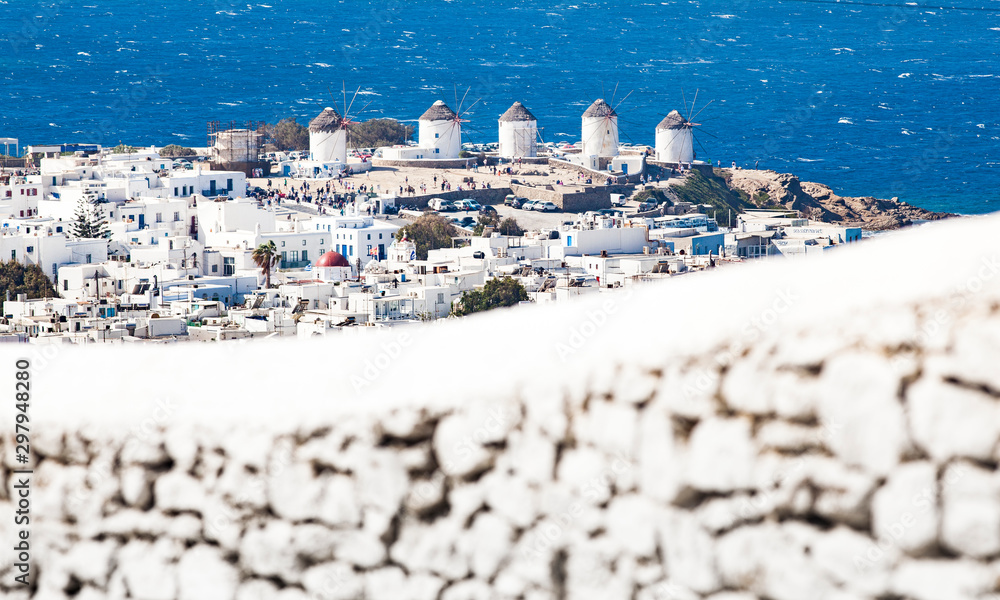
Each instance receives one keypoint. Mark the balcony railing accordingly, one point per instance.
(294, 264)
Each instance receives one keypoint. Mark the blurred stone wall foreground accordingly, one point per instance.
(822, 429)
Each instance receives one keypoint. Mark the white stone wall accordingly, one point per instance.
(816, 429)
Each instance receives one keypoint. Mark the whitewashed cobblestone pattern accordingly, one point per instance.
(785, 431)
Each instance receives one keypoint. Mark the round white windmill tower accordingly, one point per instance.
(518, 132)
(600, 130)
(675, 139)
(328, 137)
(441, 130)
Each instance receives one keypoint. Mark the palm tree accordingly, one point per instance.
(266, 257)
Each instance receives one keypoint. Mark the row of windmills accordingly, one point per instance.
(599, 133)
(440, 135)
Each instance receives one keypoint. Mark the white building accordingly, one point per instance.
(518, 132)
(357, 237)
(440, 131)
(600, 130)
(674, 139)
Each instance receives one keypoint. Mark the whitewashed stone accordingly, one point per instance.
(90, 561)
(148, 570)
(486, 544)
(470, 589)
(181, 446)
(972, 355)
(135, 486)
(590, 570)
(203, 573)
(630, 523)
(314, 542)
(863, 421)
(388, 583)
(720, 455)
(772, 560)
(339, 505)
(587, 471)
(184, 528)
(953, 422)
(607, 426)
(256, 589)
(177, 491)
(268, 551)
(843, 555)
(970, 515)
(358, 547)
(431, 548)
(458, 451)
(688, 552)
(512, 498)
(658, 476)
(905, 509)
(787, 437)
(936, 579)
(333, 581)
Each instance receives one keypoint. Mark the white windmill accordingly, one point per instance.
(518, 132)
(328, 137)
(675, 135)
(329, 130)
(600, 130)
(440, 128)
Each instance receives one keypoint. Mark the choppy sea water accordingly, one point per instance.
(884, 100)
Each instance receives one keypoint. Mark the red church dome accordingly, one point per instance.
(332, 259)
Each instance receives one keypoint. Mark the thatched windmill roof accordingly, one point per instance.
(438, 111)
(517, 112)
(674, 120)
(328, 121)
(600, 108)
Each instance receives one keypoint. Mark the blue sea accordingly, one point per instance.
(871, 98)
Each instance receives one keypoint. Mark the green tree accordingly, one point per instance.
(497, 293)
(88, 221)
(289, 134)
(375, 133)
(20, 279)
(485, 220)
(509, 226)
(266, 257)
(173, 151)
(123, 149)
(428, 232)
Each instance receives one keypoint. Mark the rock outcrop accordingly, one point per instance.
(827, 436)
(770, 189)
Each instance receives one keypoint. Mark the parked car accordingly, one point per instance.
(646, 206)
(511, 200)
(617, 199)
(528, 205)
(488, 210)
(610, 212)
(467, 204)
(467, 222)
(440, 204)
(546, 206)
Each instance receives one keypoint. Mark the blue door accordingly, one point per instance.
(142, 221)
